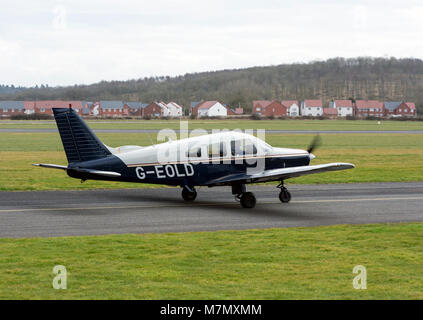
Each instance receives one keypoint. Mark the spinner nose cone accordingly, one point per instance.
(312, 156)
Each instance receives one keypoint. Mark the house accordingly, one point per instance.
(368, 108)
(112, 108)
(292, 107)
(209, 109)
(412, 107)
(10, 108)
(269, 108)
(259, 106)
(46, 106)
(156, 109)
(175, 110)
(312, 108)
(399, 109)
(95, 109)
(330, 112)
(135, 108)
(235, 112)
(86, 107)
(193, 108)
(344, 107)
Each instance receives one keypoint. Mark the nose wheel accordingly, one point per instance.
(189, 194)
(284, 195)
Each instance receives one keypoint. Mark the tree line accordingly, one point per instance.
(381, 79)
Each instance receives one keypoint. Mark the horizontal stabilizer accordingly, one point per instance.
(80, 170)
(98, 172)
(51, 166)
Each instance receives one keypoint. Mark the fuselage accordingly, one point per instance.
(194, 161)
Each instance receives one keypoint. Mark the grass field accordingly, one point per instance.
(378, 158)
(311, 125)
(294, 263)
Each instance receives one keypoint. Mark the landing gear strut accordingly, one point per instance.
(284, 195)
(247, 199)
(189, 194)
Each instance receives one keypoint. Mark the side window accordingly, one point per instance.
(194, 151)
(250, 147)
(243, 147)
(217, 150)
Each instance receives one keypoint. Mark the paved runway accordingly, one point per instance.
(61, 213)
(44, 130)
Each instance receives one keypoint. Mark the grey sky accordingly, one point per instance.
(68, 42)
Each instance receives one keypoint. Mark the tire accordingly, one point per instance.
(188, 195)
(248, 200)
(284, 196)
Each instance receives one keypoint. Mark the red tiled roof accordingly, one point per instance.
(411, 105)
(262, 103)
(47, 104)
(289, 103)
(366, 104)
(330, 111)
(313, 103)
(206, 104)
(343, 103)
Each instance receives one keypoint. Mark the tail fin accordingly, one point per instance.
(79, 142)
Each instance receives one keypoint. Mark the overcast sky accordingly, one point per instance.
(83, 41)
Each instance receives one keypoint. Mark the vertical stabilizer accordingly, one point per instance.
(79, 141)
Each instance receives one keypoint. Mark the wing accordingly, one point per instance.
(80, 170)
(279, 174)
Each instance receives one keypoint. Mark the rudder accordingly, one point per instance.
(79, 141)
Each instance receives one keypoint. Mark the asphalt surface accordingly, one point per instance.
(16, 130)
(62, 213)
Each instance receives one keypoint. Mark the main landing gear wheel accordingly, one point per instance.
(284, 195)
(248, 200)
(189, 195)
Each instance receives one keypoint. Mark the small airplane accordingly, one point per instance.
(222, 159)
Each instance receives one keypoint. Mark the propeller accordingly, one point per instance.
(315, 143)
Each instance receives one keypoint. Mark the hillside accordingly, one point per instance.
(357, 78)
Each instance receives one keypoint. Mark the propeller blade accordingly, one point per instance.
(317, 141)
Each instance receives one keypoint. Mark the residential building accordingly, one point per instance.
(209, 109)
(412, 107)
(86, 107)
(269, 108)
(135, 108)
(156, 109)
(330, 112)
(292, 107)
(312, 108)
(10, 108)
(399, 109)
(368, 108)
(46, 106)
(235, 112)
(113, 108)
(344, 107)
(175, 110)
